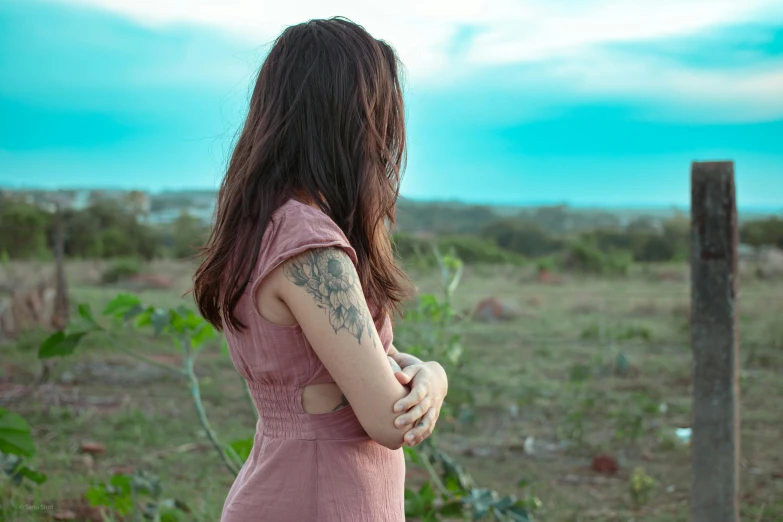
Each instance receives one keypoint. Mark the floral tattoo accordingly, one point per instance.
(328, 276)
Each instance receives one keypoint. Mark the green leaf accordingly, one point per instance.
(121, 483)
(171, 510)
(456, 276)
(454, 470)
(205, 332)
(413, 507)
(121, 305)
(479, 510)
(242, 447)
(452, 484)
(177, 321)
(85, 312)
(98, 496)
(429, 516)
(133, 312)
(31, 474)
(427, 494)
(146, 483)
(160, 320)
(15, 438)
(60, 344)
(453, 508)
(194, 321)
(504, 503)
(412, 454)
(145, 317)
(518, 514)
(530, 503)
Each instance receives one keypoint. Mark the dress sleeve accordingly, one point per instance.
(294, 229)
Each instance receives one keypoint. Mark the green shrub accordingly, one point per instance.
(121, 269)
(584, 256)
(763, 232)
(522, 237)
(470, 249)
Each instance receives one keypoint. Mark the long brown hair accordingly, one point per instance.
(326, 125)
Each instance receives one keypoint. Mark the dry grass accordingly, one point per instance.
(526, 388)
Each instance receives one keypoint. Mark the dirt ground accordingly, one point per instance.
(586, 367)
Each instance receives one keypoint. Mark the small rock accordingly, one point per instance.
(93, 448)
(67, 377)
(605, 464)
(529, 445)
(493, 309)
(548, 278)
(65, 514)
(478, 452)
(88, 462)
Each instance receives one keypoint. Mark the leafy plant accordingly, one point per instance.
(429, 331)
(187, 330)
(16, 444)
(452, 492)
(630, 420)
(137, 495)
(641, 486)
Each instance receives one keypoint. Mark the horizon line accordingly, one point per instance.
(765, 209)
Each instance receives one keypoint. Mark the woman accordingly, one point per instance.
(300, 274)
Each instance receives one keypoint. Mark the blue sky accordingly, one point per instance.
(590, 102)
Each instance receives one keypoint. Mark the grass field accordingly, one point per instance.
(589, 366)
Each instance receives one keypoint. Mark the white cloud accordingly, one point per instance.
(565, 40)
(750, 93)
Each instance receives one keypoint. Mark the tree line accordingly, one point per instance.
(100, 231)
(477, 234)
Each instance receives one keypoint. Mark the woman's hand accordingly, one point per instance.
(429, 386)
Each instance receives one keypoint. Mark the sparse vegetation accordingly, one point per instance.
(120, 269)
(595, 361)
(543, 393)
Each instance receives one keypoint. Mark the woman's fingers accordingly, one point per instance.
(403, 377)
(423, 428)
(410, 416)
(418, 392)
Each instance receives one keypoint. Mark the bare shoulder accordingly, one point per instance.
(329, 279)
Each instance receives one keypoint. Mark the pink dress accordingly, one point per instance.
(304, 467)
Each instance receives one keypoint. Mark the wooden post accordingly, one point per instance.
(715, 442)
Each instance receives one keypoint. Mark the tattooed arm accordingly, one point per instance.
(321, 289)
